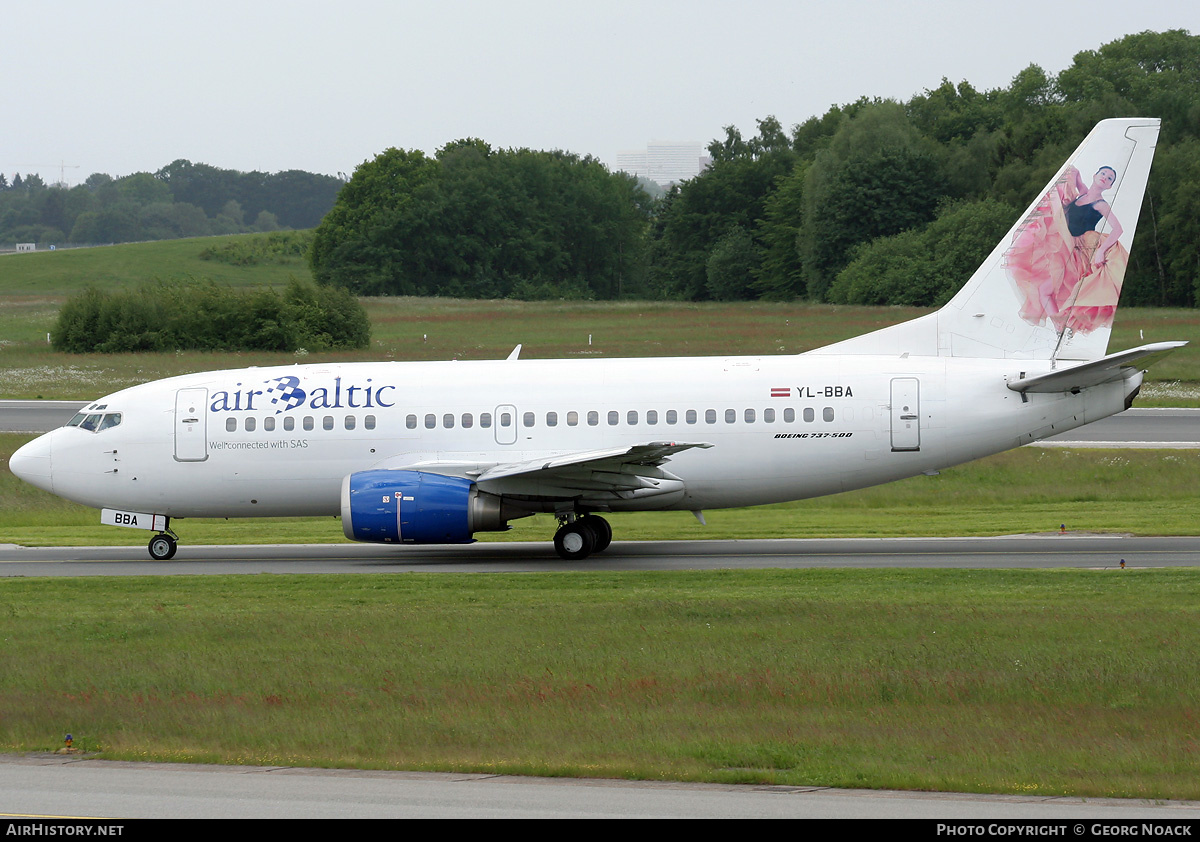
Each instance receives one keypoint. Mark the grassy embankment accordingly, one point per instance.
(1032, 682)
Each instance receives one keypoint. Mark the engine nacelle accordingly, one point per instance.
(414, 507)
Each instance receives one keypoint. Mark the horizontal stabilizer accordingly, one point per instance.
(1103, 370)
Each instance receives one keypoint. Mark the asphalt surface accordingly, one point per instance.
(1102, 552)
(49, 786)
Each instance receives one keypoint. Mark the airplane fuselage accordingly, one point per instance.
(279, 441)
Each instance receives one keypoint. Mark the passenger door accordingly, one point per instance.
(191, 425)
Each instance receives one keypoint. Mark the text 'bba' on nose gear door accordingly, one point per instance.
(906, 413)
(191, 425)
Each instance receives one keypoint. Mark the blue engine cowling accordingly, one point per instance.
(414, 507)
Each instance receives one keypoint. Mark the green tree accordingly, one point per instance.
(731, 266)
(877, 177)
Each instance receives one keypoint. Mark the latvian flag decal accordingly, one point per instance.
(781, 391)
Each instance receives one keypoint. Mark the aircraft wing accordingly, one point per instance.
(635, 456)
(627, 471)
(593, 475)
(1113, 367)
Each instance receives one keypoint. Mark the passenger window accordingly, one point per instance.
(485, 419)
(749, 416)
(710, 416)
(809, 415)
(250, 424)
(448, 420)
(269, 423)
(827, 413)
(789, 415)
(230, 424)
(769, 415)
(289, 423)
(468, 420)
(551, 419)
(327, 422)
(690, 417)
(730, 416)
(672, 416)
(614, 418)
(308, 422)
(430, 421)
(505, 419)
(631, 417)
(527, 419)
(410, 421)
(350, 422)
(369, 422)
(593, 418)
(572, 418)
(651, 416)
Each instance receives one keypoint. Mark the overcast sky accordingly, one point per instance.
(124, 86)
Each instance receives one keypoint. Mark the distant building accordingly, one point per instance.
(665, 162)
(26, 247)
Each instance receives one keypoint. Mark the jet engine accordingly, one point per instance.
(414, 507)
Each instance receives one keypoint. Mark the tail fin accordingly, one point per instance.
(1049, 289)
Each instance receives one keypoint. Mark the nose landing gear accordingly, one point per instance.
(162, 547)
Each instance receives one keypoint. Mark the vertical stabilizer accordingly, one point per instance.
(1050, 288)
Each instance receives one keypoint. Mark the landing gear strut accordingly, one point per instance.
(577, 539)
(162, 546)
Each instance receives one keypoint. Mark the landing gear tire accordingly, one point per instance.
(601, 530)
(162, 547)
(574, 541)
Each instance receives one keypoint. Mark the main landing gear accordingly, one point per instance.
(162, 546)
(578, 538)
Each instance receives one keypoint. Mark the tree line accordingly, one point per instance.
(180, 200)
(876, 201)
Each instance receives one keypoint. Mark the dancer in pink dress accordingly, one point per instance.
(1067, 273)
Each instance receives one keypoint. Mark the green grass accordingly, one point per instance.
(64, 272)
(1146, 492)
(437, 329)
(1076, 683)
(33, 287)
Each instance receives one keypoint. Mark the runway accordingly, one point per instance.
(1100, 552)
(49, 785)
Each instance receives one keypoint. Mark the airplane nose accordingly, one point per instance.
(31, 462)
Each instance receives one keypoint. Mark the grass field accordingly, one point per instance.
(33, 287)
(1033, 682)
(1048, 682)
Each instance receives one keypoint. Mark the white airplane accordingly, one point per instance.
(432, 452)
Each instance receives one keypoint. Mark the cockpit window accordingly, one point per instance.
(95, 421)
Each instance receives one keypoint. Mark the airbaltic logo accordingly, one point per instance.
(284, 393)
